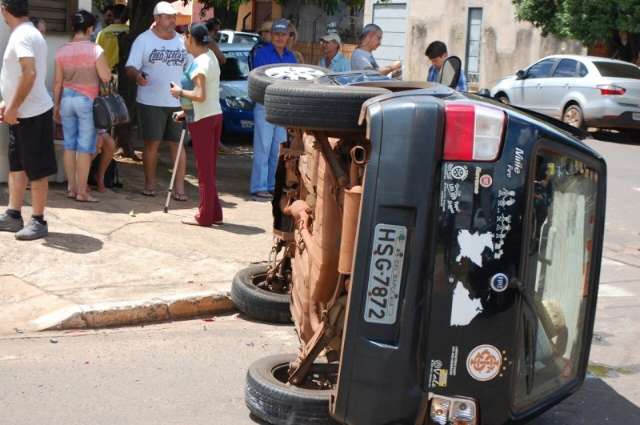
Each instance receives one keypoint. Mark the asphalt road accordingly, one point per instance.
(192, 373)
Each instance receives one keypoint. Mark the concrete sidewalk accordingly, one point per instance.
(123, 261)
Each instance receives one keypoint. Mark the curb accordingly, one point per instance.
(103, 315)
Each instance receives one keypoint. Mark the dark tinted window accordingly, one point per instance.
(541, 69)
(618, 70)
(245, 38)
(583, 70)
(236, 66)
(566, 68)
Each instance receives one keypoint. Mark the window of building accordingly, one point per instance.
(56, 13)
(474, 34)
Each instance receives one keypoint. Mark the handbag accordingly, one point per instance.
(109, 108)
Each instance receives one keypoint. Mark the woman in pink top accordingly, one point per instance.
(80, 65)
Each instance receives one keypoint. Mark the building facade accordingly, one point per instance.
(485, 34)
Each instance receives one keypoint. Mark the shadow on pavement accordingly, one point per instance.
(596, 403)
(623, 138)
(240, 229)
(72, 242)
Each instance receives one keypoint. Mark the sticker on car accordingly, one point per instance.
(385, 274)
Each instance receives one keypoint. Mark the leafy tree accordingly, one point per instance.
(589, 21)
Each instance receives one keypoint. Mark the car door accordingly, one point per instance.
(555, 89)
(529, 89)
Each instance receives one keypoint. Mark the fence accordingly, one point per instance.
(312, 52)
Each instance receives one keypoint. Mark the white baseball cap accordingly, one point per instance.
(164, 8)
(332, 37)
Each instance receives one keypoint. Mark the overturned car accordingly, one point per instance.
(438, 253)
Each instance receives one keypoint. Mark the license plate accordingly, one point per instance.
(246, 124)
(385, 274)
(636, 116)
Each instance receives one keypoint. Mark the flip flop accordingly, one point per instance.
(89, 199)
(148, 192)
(191, 222)
(180, 197)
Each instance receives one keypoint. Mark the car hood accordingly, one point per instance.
(236, 88)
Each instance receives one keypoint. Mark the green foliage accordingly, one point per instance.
(589, 21)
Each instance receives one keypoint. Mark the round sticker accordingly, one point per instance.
(459, 172)
(499, 282)
(484, 363)
(486, 180)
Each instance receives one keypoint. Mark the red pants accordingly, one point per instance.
(205, 135)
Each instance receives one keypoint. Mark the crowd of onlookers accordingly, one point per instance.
(176, 81)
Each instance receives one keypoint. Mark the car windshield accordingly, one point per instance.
(618, 70)
(236, 66)
(245, 38)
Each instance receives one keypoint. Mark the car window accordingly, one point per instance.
(236, 67)
(618, 70)
(566, 69)
(583, 71)
(244, 38)
(541, 69)
(224, 38)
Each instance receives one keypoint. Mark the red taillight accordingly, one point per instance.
(612, 90)
(472, 132)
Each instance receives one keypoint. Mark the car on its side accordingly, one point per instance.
(583, 91)
(237, 37)
(237, 107)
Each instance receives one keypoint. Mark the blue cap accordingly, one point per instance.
(280, 25)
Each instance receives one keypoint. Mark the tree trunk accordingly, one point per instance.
(141, 16)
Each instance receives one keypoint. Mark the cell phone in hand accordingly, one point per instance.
(172, 84)
(176, 117)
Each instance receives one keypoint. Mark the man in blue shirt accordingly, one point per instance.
(266, 136)
(437, 54)
(332, 58)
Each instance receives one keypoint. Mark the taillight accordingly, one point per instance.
(472, 132)
(612, 90)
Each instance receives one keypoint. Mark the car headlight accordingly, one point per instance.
(452, 410)
(235, 102)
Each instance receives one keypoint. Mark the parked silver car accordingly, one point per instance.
(584, 91)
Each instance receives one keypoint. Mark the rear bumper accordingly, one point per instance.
(625, 121)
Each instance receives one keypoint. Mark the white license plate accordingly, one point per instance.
(385, 274)
(246, 124)
(636, 116)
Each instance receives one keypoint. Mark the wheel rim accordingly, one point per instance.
(572, 117)
(295, 73)
(321, 377)
(504, 99)
(260, 281)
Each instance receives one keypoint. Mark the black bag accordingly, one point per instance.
(111, 176)
(109, 109)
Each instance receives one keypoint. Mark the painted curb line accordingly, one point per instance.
(125, 313)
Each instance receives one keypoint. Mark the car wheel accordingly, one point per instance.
(503, 98)
(270, 398)
(318, 106)
(252, 296)
(573, 116)
(260, 78)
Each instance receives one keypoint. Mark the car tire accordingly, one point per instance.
(573, 116)
(262, 77)
(271, 399)
(318, 106)
(503, 98)
(257, 303)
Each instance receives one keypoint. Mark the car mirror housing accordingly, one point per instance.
(521, 75)
(450, 73)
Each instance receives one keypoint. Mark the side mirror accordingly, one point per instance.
(450, 72)
(521, 75)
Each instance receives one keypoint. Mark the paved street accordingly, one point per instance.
(193, 372)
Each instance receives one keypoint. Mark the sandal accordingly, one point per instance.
(180, 197)
(191, 222)
(88, 198)
(148, 192)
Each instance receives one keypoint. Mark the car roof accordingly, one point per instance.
(235, 47)
(587, 58)
(241, 32)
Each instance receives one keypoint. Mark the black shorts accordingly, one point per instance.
(31, 146)
(157, 123)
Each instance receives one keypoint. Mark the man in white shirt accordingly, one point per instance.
(28, 110)
(157, 59)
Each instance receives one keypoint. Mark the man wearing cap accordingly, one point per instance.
(157, 59)
(362, 58)
(333, 59)
(28, 109)
(267, 137)
(265, 38)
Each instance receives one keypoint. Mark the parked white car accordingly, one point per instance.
(584, 91)
(230, 36)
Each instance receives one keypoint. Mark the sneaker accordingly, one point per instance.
(261, 196)
(33, 230)
(10, 224)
